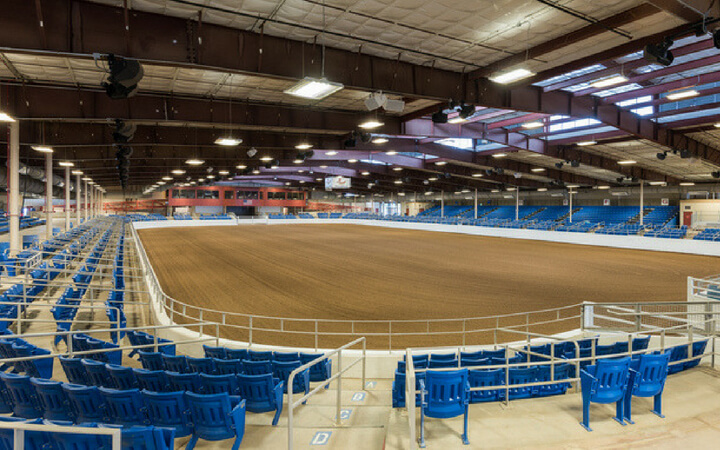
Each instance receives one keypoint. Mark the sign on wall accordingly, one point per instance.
(565, 202)
(665, 202)
(606, 202)
(337, 182)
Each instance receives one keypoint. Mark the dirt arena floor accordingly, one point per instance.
(356, 272)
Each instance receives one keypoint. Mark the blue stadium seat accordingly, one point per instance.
(486, 378)
(151, 380)
(443, 363)
(215, 419)
(183, 381)
(677, 354)
(320, 371)
(442, 356)
(698, 348)
(122, 377)
(301, 382)
(176, 364)
(398, 389)
(647, 379)
(74, 370)
(52, 399)
(263, 393)
(260, 356)
(237, 353)
(97, 373)
(286, 356)
(22, 393)
(201, 365)
(169, 409)
(605, 382)
(124, 407)
(445, 395)
(640, 343)
(561, 372)
(256, 367)
(151, 360)
(474, 362)
(34, 440)
(226, 366)
(86, 402)
(137, 437)
(215, 352)
(521, 375)
(67, 441)
(217, 384)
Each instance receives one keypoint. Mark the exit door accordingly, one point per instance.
(687, 218)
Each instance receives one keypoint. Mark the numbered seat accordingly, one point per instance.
(647, 379)
(214, 418)
(263, 393)
(170, 410)
(25, 402)
(124, 407)
(605, 382)
(151, 380)
(52, 399)
(444, 395)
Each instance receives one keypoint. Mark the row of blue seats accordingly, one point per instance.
(12, 346)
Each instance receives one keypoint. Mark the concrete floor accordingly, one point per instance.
(691, 404)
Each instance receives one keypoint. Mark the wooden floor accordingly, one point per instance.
(357, 272)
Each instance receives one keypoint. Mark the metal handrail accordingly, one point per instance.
(20, 428)
(291, 378)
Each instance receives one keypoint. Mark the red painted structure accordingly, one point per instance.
(236, 196)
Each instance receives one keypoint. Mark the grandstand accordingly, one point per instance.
(373, 225)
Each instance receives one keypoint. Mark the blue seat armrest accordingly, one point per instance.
(588, 380)
(238, 415)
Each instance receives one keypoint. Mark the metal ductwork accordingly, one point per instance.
(29, 185)
(39, 174)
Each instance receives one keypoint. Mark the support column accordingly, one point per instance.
(48, 196)
(570, 194)
(517, 203)
(13, 175)
(476, 199)
(85, 204)
(642, 201)
(67, 199)
(77, 199)
(442, 204)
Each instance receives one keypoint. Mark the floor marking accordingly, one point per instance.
(370, 384)
(358, 397)
(345, 414)
(321, 438)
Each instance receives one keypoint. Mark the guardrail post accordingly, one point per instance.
(201, 322)
(338, 420)
(250, 330)
(464, 329)
(364, 358)
(389, 336)
(19, 439)
(316, 335)
(638, 317)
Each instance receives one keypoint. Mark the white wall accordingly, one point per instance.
(706, 213)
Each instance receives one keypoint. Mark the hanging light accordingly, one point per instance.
(313, 88)
(42, 148)
(178, 172)
(228, 141)
(371, 124)
(303, 146)
(66, 164)
(195, 162)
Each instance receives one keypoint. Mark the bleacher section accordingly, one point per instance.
(709, 234)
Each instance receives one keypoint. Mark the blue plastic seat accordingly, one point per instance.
(215, 352)
(472, 355)
(86, 402)
(122, 377)
(226, 366)
(620, 347)
(419, 361)
(137, 437)
(494, 353)
(176, 364)
(263, 393)
(443, 363)
(677, 354)
(74, 370)
(474, 362)
(40, 368)
(301, 382)
(237, 353)
(640, 343)
(603, 350)
(124, 407)
(151, 360)
(322, 370)
(183, 382)
(398, 389)
(442, 356)
(521, 375)
(151, 380)
(217, 384)
(215, 419)
(647, 379)
(67, 441)
(170, 410)
(698, 348)
(486, 378)
(201, 365)
(6, 405)
(256, 367)
(562, 372)
(286, 356)
(34, 440)
(52, 399)
(97, 373)
(22, 393)
(605, 382)
(260, 356)
(445, 395)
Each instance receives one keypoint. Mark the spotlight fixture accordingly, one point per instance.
(380, 140)
(124, 76)
(466, 111)
(682, 94)
(661, 156)
(611, 81)
(511, 76)
(371, 124)
(531, 125)
(65, 164)
(195, 162)
(659, 53)
(440, 117)
(559, 165)
(228, 141)
(5, 117)
(314, 88)
(42, 148)
(303, 146)
(627, 162)
(375, 100)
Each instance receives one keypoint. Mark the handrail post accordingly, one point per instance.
(250, 340)
(338, 420)
(390, 336)
(316, 335)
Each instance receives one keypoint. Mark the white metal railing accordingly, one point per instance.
(19, 430)
(338, 376)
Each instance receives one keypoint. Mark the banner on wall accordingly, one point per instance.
(565, 202)
(337, 182)
(665, 202)
(606, 202)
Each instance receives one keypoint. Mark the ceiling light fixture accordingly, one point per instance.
(241, 166)
(585, 143)
(5, 117)
(178, 172)
(542, 190)
(66, 164)
(511, 76)
(303, 146)
(42, 148)
(499, 155)
(611, 81)
(391, 153)
(457, 119)
(717, 125)
(223, 172)
(397, 169)
(682, 94)
(314, 88)
(167, 178)
(352, 161)
(432, 179)
(537, 169)
(441, 163)
(603, 187)
(228, 141)
(365, 173)
(195, 162)
(77, 172)
(531, 125)
(331, 153)
(477, 175)
(687, 183)
(266, 158)
(380, 140)
(627, 162)
(657, 183)
(371, 124)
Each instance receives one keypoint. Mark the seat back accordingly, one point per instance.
(256, 367)
(494, 353)
(169, 409)
(211, 416)
(698, 348)
(74, 370)
(86, 402)
(34, 440)
(217, 384)
(151, 380)
(612, 378)
(176, 364)
(214, 352)
(66, 441)
(474, 362)
(183, 381)
(322, 370)
(124, 407)
(258, 391)
(650, 373)
(283, 369)
(640, 343)
(259, 356)
(151, 360)
(122, 377)
(145, 437)
(483, 378)
(226, 366)
(472, 355)
(521, 375)
(286, 356)
(447, 393)
(97, 373)
(237, 353)
(620, 347)
(561, 371)
(52, 399)
(443, 363)
(677, 353)
(23, 396)
(201, 365)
